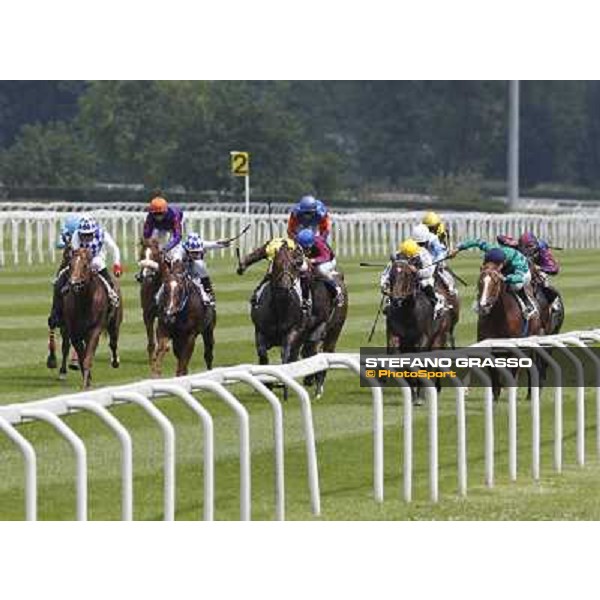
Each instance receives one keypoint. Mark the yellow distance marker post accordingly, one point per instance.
(240, 167)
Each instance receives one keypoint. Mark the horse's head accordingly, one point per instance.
(151, 259)
(80, 266)
(491, 286)
(403, 281)
(175, 293)
(287, 264)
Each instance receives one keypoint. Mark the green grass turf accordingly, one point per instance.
(342, 419)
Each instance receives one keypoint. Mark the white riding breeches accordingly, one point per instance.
(198, 269)
(518, 286)
(448, 280)
(99, 262)
(174, 254)
(326, 269)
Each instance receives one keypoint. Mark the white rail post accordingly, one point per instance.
(244, 433)
(309, 432)
(595, 337)
(278, 445)
(580, 394)
(407, 434)
(126, 451)
(168, 432)
(558, 399)
(209, 442)
(30, 462)
(377, 400)
(78, 448)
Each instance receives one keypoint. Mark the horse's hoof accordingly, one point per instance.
(62, 376)
(51, 362)
(74, 366)
(115, 363)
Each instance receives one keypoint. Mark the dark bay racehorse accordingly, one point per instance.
(552, 308)
(87, 312)
(409, 323)
(324, 326)
(409, 320)
(277, 316)
(153, 269)
(182, 316)
(500, 314)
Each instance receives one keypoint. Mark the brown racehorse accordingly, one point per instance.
(552, 307)
(409, 324)
(153, 267)
(182, 316)
(324, 326)
(500, 314)
(277, 316)
(87, 312)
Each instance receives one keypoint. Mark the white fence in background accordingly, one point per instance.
(29, 236)
(99, 402)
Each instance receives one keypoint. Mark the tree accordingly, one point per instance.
(52, 154)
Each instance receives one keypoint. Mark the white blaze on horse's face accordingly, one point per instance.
(148, 257)
(171, 307)
(487, 279)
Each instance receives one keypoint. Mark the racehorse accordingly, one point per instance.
(500, 314)
(409, 319)
(153, 266)
(87, 312)
(182, 316)
(551, 305)
(277, 314)
(324, 326)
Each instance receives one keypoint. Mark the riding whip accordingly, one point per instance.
(376, 319)
(239, 235)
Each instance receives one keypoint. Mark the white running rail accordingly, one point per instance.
(28, 236)
(216, 382)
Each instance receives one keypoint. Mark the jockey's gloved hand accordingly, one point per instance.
(117, 270)
(452, 253)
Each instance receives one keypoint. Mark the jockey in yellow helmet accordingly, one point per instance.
(421, 258)
(436, 226)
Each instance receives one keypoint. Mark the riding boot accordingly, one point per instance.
(527, 303)
(338, 292)
(113, 296)
(306, 295)
(435, 299)
(208, 288)
(159, 294)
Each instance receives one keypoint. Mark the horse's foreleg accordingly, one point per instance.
(113, 335)
(162, 347)
(90, 351)
(262, 348)
(208, 337)
(65, 347)
(185, 354)
(151, 336)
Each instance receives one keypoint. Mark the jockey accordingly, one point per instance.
(409, 249)
(164, 223)
(514, 266)
(436, 226)
(66, 233)
(265, 252)
(322, 258)
(309, 213)
(195, 247)
(438, 252)
(92, 236)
